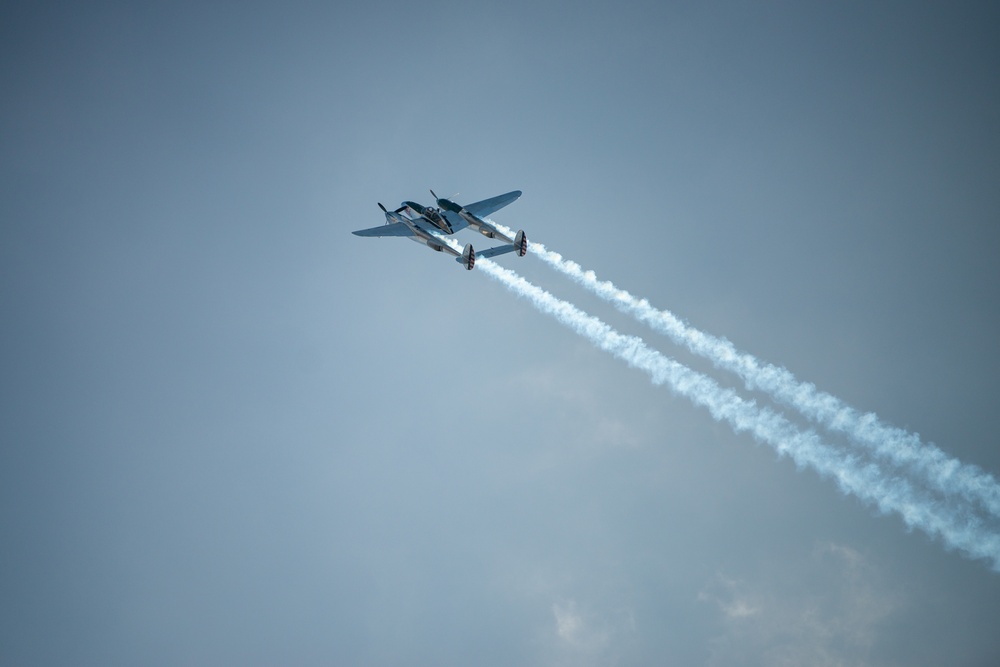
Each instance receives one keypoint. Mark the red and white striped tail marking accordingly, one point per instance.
(468, 257)
(521, 243)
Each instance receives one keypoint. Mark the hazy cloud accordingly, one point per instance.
(827, 613)
(585, 635)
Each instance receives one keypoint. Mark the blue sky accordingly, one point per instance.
(233, 433)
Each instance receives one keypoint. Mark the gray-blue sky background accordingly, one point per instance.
(232, 433)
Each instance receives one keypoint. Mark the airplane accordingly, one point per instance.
(473, 214)
(424, 224)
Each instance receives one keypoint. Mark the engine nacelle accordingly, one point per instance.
(468, 258)
(520, 243)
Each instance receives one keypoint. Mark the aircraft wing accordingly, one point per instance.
(493, 252)
(456, 221)
(481, 209)
(395, 229)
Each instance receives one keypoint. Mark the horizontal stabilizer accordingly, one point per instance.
(493, 252)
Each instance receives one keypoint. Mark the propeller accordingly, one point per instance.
(438, 199)
(401, 208)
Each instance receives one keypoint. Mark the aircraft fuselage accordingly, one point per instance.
(432, 214)
(419, 227)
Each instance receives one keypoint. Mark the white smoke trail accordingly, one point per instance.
(865, 481)
(947, 475)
